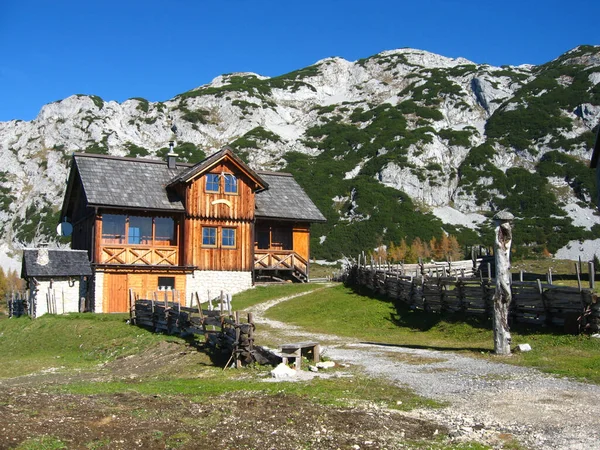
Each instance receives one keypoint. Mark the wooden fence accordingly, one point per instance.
(18, 304)
(465, 268)
(576, 309)
(222, 329)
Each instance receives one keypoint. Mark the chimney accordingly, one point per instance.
(171, 156)
(42, 257)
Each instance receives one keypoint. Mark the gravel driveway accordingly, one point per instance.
(487, 402)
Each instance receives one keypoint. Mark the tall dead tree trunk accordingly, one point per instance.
(503, 296)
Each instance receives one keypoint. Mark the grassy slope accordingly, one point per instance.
(70, 341)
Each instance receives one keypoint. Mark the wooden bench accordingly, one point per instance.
(298, 349)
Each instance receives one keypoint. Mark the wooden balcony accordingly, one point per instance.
(139, 254)
(281, 261)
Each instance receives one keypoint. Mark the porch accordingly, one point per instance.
(284, 264)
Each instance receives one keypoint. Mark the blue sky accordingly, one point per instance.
(157, 49)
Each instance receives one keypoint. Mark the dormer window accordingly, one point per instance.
(212, 182)
(226, 183)
(230, 184)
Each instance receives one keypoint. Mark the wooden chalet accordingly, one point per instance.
(213, 226)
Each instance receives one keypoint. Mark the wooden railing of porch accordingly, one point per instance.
(282, 260)
(139, 254)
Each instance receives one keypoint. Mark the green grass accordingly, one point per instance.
(347, 313)
(260, 294)
(323, 271)
(42, 443)
(69, 341)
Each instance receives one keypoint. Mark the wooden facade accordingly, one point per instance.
(159, 224)
(218, 208)
(116, 285)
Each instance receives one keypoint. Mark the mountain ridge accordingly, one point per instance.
(438, 132)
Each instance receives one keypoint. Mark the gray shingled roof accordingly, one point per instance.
(285, 199)
(127, 182)
(61, 263)
(141, 183)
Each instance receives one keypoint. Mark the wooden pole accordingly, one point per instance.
(251, 331)
(578, 275)
(592, 274)
(199, 307)
(131, 306)
(503, 296)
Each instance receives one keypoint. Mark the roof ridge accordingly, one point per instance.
(270, 172)
(129, 159)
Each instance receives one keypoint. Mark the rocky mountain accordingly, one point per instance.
(399, 145)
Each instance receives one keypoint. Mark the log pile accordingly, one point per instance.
(575, 309)
(222, 329)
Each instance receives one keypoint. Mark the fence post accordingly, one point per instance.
(592, 274)
(503, 295)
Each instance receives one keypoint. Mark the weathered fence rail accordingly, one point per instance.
(576, 309)
(222, 329)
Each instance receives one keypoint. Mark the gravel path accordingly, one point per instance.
(488, 402)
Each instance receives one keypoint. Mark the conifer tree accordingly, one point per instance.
(3, 285)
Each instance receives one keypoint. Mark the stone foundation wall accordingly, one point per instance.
(210, 283)
(97, 292)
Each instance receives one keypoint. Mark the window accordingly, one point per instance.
(264, 239)
(274, 238)
(212, 182)
(228, 237)
(218, 237)
(119, 229)
(230, 184)
(140, 230)
(113, 228)
(166, 283)
(209, 237)
(164, 231)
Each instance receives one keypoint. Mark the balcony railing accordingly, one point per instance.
(280, 260)
(142, 255)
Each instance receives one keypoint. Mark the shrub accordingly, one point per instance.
(143, 104)
(134, 151)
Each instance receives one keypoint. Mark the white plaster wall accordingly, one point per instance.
(98, 291)
(210, 283)
(65, 296)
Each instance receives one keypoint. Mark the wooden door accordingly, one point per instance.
(116, 297)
